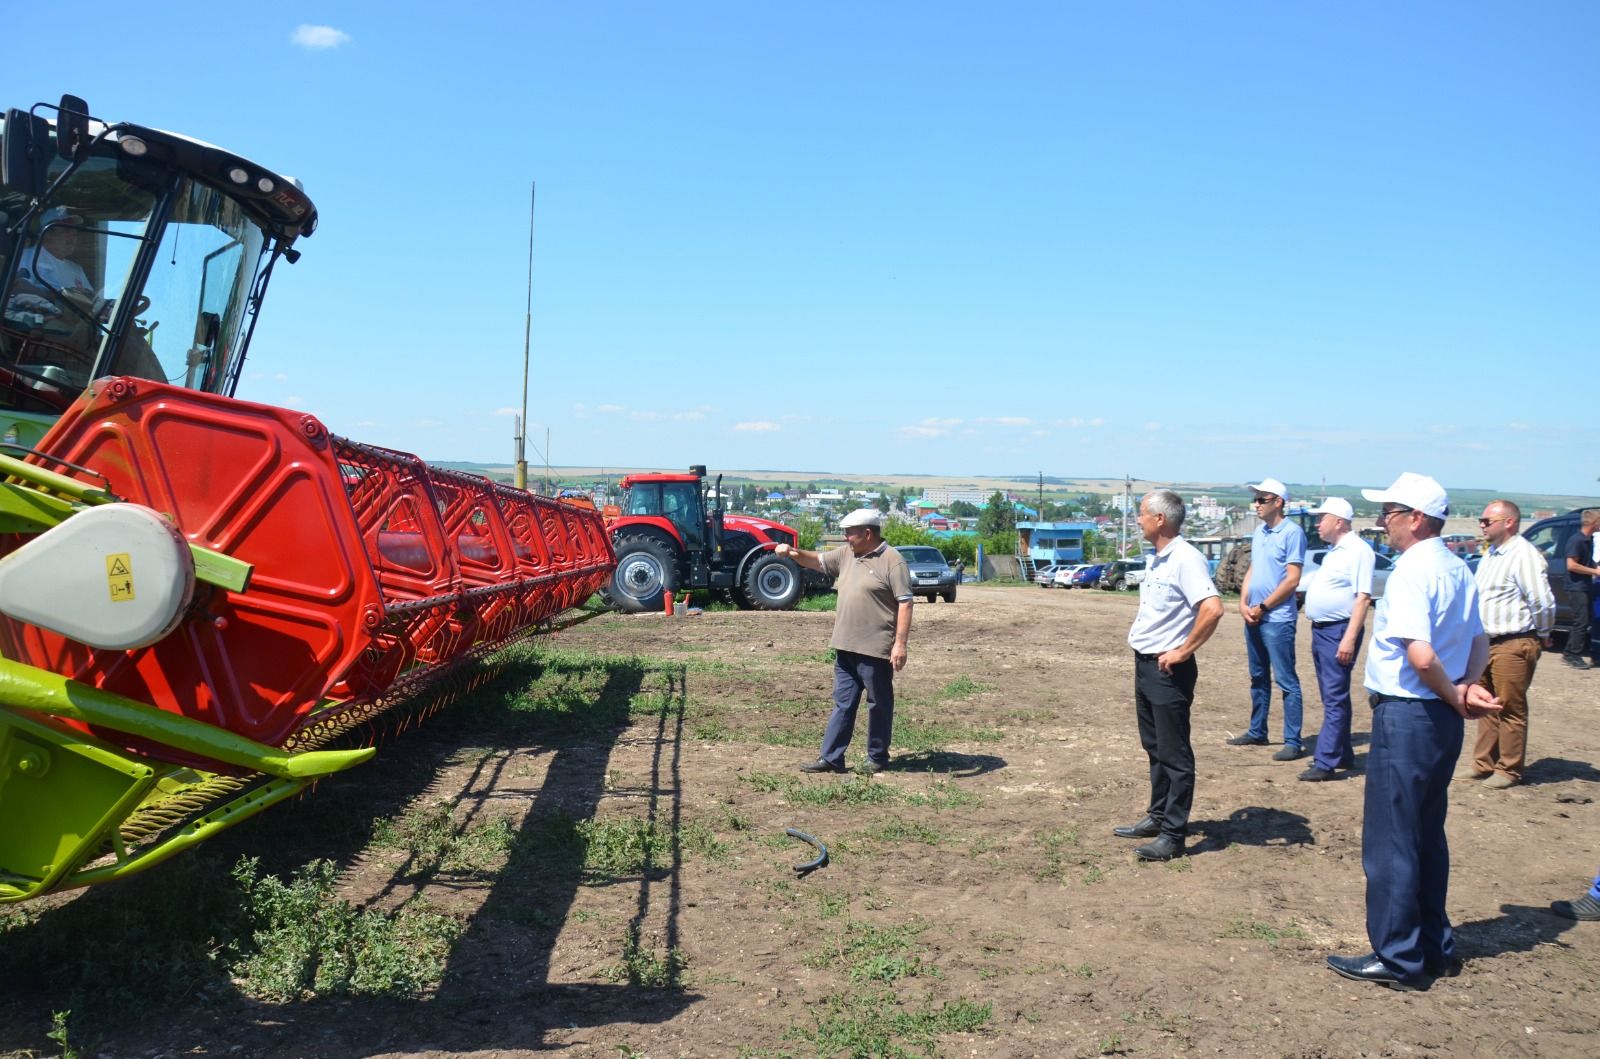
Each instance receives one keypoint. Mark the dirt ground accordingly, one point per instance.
(976, 902)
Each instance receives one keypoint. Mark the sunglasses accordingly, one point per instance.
(1262, 499)
(1491, 521)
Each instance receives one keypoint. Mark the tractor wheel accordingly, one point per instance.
(949, 594)
(773, 583)
(737, 597)
(647, 567)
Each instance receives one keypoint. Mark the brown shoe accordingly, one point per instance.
(1498, 782)
(1472, 775)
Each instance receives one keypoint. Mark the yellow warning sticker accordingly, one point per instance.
(119, 576)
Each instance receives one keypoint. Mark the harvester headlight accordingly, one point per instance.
(132, 145)
(238, 175)
(266, 185)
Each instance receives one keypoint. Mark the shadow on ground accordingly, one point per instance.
(150, 944)
(1253, 825)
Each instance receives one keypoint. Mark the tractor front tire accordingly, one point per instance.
(772, 582)
(647, 568)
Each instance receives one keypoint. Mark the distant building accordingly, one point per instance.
(945, 497)
(1207, 509)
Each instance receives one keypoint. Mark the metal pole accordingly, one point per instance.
(527, 343)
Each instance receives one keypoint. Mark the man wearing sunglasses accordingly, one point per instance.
(1428, 651)
(1519, 612)
(1266, 600)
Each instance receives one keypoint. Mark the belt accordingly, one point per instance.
(1508, 637)
(1326, 624)
(1141, 656)
(1377, 699)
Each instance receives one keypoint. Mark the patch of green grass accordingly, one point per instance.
(870, 953)
(1083, 970)
(942, 794)
(1257, 930)
(961, 687)
(831, 905)
(912, 734)
(606, 848)
(429, 834)
(896, 829)
(59, 1034)
(851, 793)
(712, 729)
(822, 601)
(877, 1025)
(1111, 1044)
(305, 942)
(698, 839)
(645, 967)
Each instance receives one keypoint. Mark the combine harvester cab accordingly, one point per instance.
(206, 604)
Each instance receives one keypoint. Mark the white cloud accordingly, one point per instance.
(609, 409)
(1007, 421)
(318, 38)
(945, 423)
(923, 432)
(758, 426)
(1152, 425)
(293, 400)
(1097, 422)
(1039, 433)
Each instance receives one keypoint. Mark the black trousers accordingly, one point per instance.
(1579, 600)
(1162, 701)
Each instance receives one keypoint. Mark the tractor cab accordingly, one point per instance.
(126, 250)
(676, 498)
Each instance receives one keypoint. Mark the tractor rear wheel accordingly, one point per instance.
(647, 567)
(773, 583)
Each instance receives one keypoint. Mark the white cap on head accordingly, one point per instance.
(1416, 491)
(862, 516)
(1270, 485)
(1335, 505)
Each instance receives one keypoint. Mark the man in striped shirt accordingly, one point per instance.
(1518, 611)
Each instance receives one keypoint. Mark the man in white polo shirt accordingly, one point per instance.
(1178, 611)
(1428, 650)
(1336, 605)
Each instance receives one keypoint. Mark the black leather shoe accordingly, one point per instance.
(820, 765)
(1290, 753)
(872, 768)
(1316, 775)
(1246, 740)
(1149, 827)
(1163, 848)
(1368, 968)
(1575, 662)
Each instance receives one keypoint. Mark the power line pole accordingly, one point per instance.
(527, 343)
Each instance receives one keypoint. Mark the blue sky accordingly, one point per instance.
(1193, 242)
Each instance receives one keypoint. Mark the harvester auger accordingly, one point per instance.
(206, 604)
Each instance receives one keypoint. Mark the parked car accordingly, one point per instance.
(1551, 536)
(1088, 576)
(931, 577)
(1382, 566)
(1123, 573)
(1065, 574)
(1045, 575)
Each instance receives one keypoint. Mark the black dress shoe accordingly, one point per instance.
(1575, 662)
(1290, 753)
(821, 765)
(1246, 740)
(1368, 968)
(1164, 848)
(1149, 827)
(1316, 775)
(872, 768)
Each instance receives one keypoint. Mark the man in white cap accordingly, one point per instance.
(1266, 601)
(1428, 651)
(870, 629)
(1519, 614)
(1337, 599)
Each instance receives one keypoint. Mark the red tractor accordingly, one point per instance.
(669, 539)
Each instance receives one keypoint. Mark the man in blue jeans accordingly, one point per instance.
(1266, 600)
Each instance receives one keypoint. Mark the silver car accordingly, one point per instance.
(931, 577)
(1382, 566)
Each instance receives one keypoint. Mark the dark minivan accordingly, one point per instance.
(1550, 536)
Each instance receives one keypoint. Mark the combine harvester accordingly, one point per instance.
(206, 604)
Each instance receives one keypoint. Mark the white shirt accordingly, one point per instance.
(1514, 590)
(58, 272)
(1431, 597)
(1176, 581)
(1346, 572)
